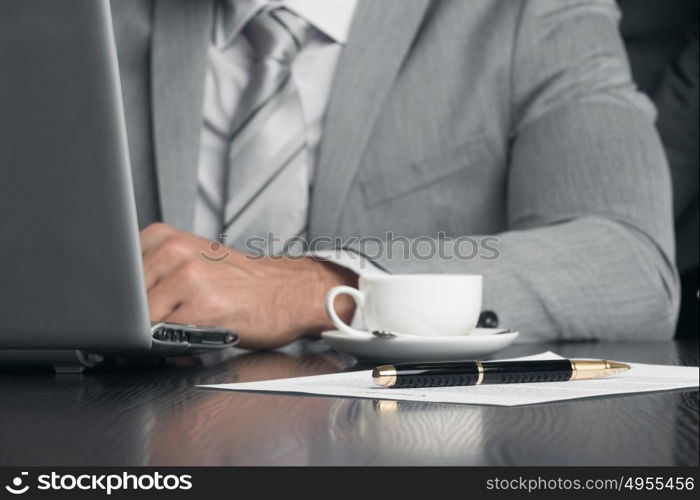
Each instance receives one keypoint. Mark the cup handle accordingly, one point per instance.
(359, 299)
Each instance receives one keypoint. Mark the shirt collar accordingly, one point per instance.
(331, 17)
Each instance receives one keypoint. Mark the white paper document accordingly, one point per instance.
(640, 378)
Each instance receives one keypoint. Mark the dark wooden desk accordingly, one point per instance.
(153, 415)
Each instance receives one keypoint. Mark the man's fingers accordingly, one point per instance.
(188, 314)
(162, 301)
(170, 292)
(153, 235)
(163, 260)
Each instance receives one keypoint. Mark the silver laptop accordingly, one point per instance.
(71, 277)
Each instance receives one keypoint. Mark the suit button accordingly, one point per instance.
(488, 319)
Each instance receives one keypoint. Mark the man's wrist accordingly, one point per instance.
(357, 264)
(329, 275)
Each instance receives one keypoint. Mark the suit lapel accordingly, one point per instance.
(380, 36)
(181, 34)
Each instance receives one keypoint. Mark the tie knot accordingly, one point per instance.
(277, 34)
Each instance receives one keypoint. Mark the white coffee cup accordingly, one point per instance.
(413, 304)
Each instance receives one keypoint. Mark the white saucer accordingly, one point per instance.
(480, 342)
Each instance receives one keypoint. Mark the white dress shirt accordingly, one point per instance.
(230, 59)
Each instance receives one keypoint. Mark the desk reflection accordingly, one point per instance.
(232, 427)
(406, 432)
(140, 414)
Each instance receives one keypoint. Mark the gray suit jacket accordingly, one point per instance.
(513, 118)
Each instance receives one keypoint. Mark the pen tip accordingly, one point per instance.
(618, 367)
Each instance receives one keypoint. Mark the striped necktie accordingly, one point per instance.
(266, 187)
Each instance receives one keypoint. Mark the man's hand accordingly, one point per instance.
(270, 302)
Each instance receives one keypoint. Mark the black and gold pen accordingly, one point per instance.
(445, 374)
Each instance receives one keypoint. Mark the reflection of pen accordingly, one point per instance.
(492, 372)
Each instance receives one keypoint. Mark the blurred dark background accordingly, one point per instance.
(661, 37)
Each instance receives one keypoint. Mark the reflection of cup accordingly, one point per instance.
(414, 304)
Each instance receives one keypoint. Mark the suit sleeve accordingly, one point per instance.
(589, 249)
